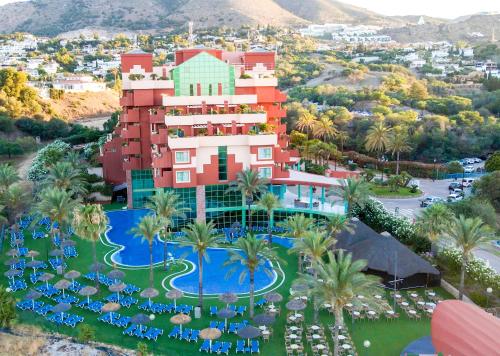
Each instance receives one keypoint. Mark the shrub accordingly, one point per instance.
(6, 124)
(493, 163)
(7, 308)
(142, 349)
(454, 167)
(478, 298)
(352, 166)
(86, 333)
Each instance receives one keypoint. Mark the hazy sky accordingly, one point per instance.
(436, 8)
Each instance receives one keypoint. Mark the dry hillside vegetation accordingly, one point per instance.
(82, 105)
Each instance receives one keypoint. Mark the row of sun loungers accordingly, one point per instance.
(142, 332)
(218, 347)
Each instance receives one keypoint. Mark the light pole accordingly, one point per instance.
(435, 169)
(367, 345)
(489, 290)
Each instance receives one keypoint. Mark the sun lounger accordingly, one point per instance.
(213, 310)
(216, 346)
(175, 332)
(205, 346)
(226, 346)
(254, 348)
(121, 322)
(194, 335)
(186, 333)
(241, 309)
(130, 330)
(240, 346)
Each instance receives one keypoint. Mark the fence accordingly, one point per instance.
(457, 176)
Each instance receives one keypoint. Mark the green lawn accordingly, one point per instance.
(385, 191)
(387, 338)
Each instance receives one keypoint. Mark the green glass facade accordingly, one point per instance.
(222, 162)
(208, 72)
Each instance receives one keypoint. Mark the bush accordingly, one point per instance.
(454, 167)
(314, 168)
(7, 308)
(352, 166)
(142, 349)
(86, 333)
(479, 298)
(493, 163)
(6, 124)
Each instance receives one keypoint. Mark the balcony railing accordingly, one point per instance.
(159, 137)
(163, 180)
(131, 148)
(131, 163)
(130, 116)
(127, 99)
(131, 131)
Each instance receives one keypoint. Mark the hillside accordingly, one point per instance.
(50, 17)
(75, 106)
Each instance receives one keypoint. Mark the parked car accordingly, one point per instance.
(467, 182)
(428, 201)
(469, 169)
(457, 191)
(477, 160)
(454, 197)
(455, 185)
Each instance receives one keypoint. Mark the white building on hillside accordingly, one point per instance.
(78, 84)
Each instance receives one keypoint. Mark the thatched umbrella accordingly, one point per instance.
(56, 253)
(12, 253)
(110, 307)
(180, 319)
(97, 267)
(11, 273)
(33, 295)
(61, 308)
(18, 242)
(87, 292)
(116, 274)
(72, 275)
(140, 319)
(34, 264)
(264, 319)
(149, 293)
(174, 294)
(11, 262)
(62, 284)
(299, 288)
(32, 254)
(226, 314)
(248, 332)
(295, 305)
(210, 334)
(117, 288)
(273, 297)
(46, 277)
(228, 298)
(67, 243)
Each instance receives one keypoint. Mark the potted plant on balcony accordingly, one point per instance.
(153, 76)
(202, 132)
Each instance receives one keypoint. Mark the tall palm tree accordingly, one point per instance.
(250, 185)
(398, 143)
(3, 218)
(433, 221)
(58, 205)
(167, 206)
(468, 234)
(8, 176)
(354, 192)
(269, 202)
(252, 253)
(342, 138)
(338, 282)
(16, 198)
(377, 139)
(324, 128)
(297, 226)
(199, 236)
(314, 246)
(90, 222)
(306, 122)
(65, 176)
(147, 228)
(336, 223)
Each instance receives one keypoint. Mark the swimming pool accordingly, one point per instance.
(135, 253)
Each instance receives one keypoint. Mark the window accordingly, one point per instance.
(265, 153)
(265, 172)
(222, 162)
(210, 89)
(183, 176)
(191, 89)
(182, 157)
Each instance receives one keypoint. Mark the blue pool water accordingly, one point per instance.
(135, 252)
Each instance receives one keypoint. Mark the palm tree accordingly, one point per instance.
(250, 185)
(433, 221)
(468, 234)
(314, 246)
(398, 143)
(377, 139)
(353, 191)
(306, 122)
(324, 128)
(147, 228)
(336, 223)
(58, 206)
(338, 282)
(3, 219)
(252, 253)
(167, 206)
(16, 198)
(8, 176)
(65, 176)
(90, 222)
(269, 202)
(342, 137)
(297, 226)
(199, 236)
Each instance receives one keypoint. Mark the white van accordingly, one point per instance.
(467, 182)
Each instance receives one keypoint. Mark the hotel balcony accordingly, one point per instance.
(130, 116)
(127, 99)
(147, 84)
(162, 160)
(275, 111)
(158, 117)
(131, 131)
(131, 148)
(209, 100)
(280, 97)
(159, 138)
(131, 163)
(226, 140)
(281, 155)
(256, 82)
(215, 119)
(163, 180)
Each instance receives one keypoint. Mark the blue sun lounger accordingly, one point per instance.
(241, 309)
(121, 322)
(44, 309)
(216, 346)
(186, 333)
(254, 348)
(240, 346)
(175, 332)
(260, 303)
(130, 330)
(205, 347)
(226, 346)
(194, 335)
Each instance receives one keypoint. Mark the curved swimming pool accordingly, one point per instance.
(133, 252)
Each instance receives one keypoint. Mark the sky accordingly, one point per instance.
(435, 8)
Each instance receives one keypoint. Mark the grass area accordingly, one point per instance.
(387, 338)
(386, 191)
